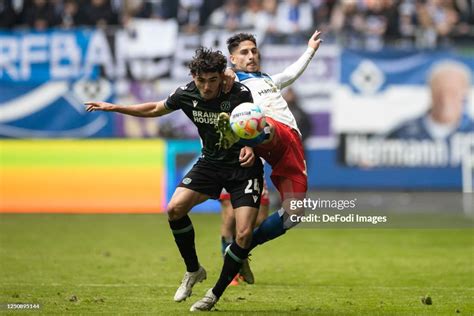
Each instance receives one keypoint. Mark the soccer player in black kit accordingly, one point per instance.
(234, 169)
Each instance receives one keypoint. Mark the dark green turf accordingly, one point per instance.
(129, 264)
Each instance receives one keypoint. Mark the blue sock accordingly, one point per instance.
(269, 229)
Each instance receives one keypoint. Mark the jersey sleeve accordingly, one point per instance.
(244, 94)
(173, 100)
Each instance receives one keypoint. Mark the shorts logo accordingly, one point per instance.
(255, 198)
(225, 106)
(187, 181)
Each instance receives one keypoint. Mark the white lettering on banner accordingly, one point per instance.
(59, 52)
(375, 152)
(460, 144)
(8, 56)
(98, 54)
(65, 56)
(121, 53)
(33, 50)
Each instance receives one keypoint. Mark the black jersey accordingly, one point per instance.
(204, 113)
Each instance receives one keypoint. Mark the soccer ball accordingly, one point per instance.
(247, 120)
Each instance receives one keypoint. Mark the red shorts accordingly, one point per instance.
(285, 154)
(264, 200)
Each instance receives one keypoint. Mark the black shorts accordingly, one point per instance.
(243, 184)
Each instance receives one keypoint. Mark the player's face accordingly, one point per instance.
(246, 57)
(448, 95)
(208, 84)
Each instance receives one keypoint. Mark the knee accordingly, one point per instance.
(298, 212)
(292, 208)
(174, 211)
(244, 237)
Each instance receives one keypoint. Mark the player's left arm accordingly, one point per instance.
(292, 72)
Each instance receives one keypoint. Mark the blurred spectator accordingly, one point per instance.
(230, 16)
(294, 18)
(465, 27)
(392, 17)
(449, 83)
(252, 12)
(136, 9)
(407, 20)
(301, 117)
(39, 15)
(348, 21)
(186, 12)
(322, 10)
(8, 15)
(69, 16)
(97, 13)
(359, 24)
(437, 19)
(376, 23)
(267, 20)
(465, 9)
(207, 8)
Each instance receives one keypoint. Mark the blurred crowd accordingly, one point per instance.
(369, 24)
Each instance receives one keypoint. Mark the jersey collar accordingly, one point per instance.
(242, 75)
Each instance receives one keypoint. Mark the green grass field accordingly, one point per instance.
(129, 264)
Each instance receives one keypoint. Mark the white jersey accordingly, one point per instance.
(266, 90)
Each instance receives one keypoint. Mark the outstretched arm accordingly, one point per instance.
(150, 109)
(292, 72)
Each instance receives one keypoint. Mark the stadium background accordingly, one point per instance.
(369, 75)
(361, 82)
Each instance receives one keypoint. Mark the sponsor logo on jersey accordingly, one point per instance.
(205, 117)
(195, 103)
(273, 88)
(265, 91)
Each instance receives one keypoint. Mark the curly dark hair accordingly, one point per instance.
(234, 41)
(207, 60)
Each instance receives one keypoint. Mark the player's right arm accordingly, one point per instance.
(149, 109)
(295, 70)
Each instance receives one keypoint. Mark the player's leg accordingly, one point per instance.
(181, 226)
(228, 222)
(199, 184)
(237, 252)
(285, 154)
(244, 186)
(264, 205)
(227, 227)
(279, 222)
(245, 271)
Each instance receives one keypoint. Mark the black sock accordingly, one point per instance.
(183, 233)
(232, 263)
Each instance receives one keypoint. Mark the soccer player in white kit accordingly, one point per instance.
(284, 149)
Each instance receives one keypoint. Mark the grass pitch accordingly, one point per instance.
(129, 264)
